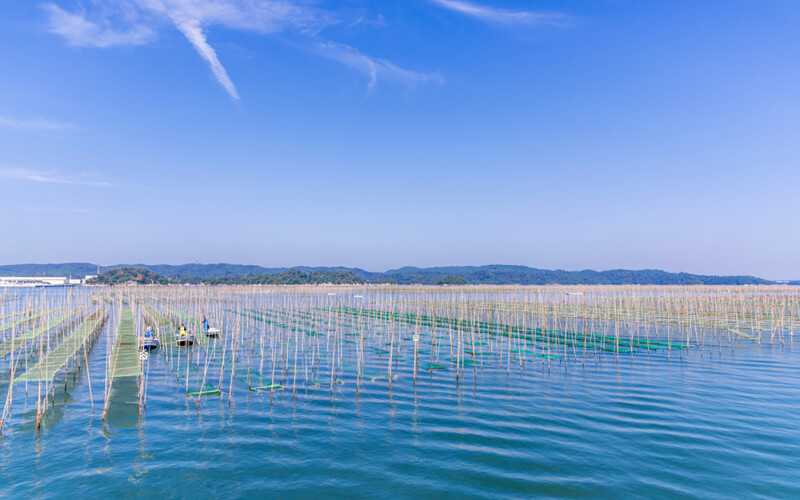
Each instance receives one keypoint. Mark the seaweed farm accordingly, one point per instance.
(428, 391)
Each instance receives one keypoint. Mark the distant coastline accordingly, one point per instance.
(454, 275)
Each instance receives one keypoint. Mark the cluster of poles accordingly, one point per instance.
(266, 339)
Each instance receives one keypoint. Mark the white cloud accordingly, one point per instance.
(134, 22)
(261, 16)
(372, 67)
(34, 125)
(497, 15)
(49, 176)
(190, 16)
(79, 31)
(195, 35)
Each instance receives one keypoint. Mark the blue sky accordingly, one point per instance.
(573, 135)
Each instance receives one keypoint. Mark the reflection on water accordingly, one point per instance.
(698, 427)
(710, 423)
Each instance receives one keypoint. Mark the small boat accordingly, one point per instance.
(184, 338)
(148, 344)
(212, 332)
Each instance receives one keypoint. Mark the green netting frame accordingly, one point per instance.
(13, 343)
(125, 356)
(46, 369)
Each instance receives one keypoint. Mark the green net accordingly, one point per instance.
(125, 356)
(21, 321)
(18, 341)
(55, 360)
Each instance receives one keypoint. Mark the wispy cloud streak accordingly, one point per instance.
(50, 176)
(135, 22)
(34, 125)
(373, 67)
(79, 31)
(497, 15)
(194, 33)
(260, 16)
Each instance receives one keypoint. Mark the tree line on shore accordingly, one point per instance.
(144, 276)
(484, 275)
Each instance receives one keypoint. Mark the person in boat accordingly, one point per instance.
(205, 324)
(182, 330)
(149, 337)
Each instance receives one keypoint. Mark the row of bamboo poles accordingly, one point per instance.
(301, 337)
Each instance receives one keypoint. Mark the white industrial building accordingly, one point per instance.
(28, 281)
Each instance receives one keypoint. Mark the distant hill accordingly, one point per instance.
(202, 271)
(144, 276)
(208, 270)
(291, 277)
(75, 269)
(484, 275)
(82, 269)
(523, 275)
(123, 275)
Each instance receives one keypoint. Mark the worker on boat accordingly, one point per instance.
(182, 330)
(148, 340)
(205, 323)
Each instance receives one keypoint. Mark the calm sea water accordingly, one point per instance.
(706, 424)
